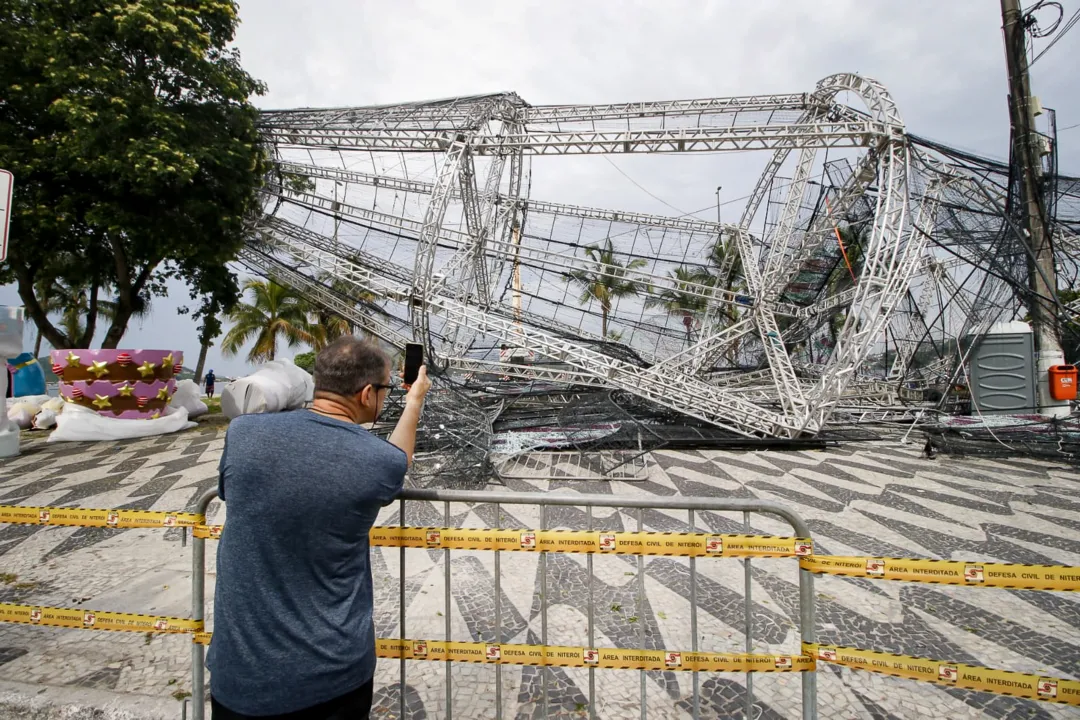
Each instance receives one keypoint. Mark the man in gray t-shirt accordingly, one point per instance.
(293, 630)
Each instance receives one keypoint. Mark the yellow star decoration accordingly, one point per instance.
(163, 394)
(126, 390)
(167, 360)
(69, 399)
(98, 368)
(146, 369)
(101, 402)
(156, 415)
(72, 359)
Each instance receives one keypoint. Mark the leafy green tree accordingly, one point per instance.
(134, 147)
(607, 283)
(274, 313)
(306, 361)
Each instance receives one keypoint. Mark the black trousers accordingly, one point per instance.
(351, 706)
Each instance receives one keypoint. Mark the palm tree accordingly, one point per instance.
(710, 276)
(275, 312)
(679, 302)
(607, 282)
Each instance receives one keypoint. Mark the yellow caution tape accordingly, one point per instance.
(207, 532)
(583, 657)
(573, 656)
(578, 541)
(970, 677)
(95, 619)
(949, 572)
(87, 517)
(581, 541)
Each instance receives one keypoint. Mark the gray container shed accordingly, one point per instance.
(1003, 370)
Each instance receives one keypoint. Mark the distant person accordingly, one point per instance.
(293, 629)
(210, 379)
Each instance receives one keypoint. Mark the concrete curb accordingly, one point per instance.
(49, 702)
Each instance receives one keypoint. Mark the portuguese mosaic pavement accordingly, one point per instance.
(876, 499)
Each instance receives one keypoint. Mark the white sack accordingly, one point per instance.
(55, 404)
(36, 400)
(187, 397)
(77, 423)
(278, 385)
(22, 414)
(45, 419)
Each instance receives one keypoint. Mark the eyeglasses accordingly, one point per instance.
(380, 386)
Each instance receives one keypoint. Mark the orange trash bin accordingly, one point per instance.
(1063, 382)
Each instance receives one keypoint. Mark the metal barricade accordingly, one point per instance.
(691, 505)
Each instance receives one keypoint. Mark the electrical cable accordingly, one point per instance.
(640, 187)
(1068, 26)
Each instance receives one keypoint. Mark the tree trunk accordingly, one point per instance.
(35, 309)
(37, 344)
(118, 327)
(202, 363)
(91, 318)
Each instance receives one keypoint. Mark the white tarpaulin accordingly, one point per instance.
(77, 423)
(278, 385)
(187, 397)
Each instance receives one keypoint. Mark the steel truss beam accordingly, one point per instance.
(826, 134)
(506, 251)
(681, 393)
(538, 373)
(667, 109)
(372, 323)
(690, 225)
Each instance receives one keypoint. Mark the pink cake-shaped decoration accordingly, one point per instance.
(125, 384)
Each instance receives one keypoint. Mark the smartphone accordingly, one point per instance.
(414, 358)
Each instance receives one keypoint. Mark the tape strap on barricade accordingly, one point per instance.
(969, 677)
(95, 619)
(580, 657)
(88, 517)
(578, 541)
(949, 572)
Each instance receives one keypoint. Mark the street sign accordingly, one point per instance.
(7, 182)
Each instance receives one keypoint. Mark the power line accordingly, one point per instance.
(1070, 127)
(643, 189)
(1068, 26)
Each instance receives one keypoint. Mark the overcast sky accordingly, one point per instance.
(942, 61)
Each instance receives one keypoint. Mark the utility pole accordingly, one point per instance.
(1027, 151)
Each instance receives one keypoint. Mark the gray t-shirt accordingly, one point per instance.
(293, 602)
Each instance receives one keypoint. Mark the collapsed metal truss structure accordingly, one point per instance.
(863, 253)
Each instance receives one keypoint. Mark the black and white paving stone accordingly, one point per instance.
(878, 499)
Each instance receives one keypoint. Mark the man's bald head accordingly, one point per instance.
(347, 365)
